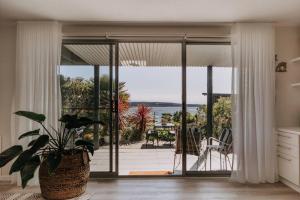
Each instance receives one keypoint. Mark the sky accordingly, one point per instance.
(161, 84)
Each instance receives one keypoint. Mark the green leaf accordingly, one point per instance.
(27, 172)
(9, 154)
(20, 162)
(31, 143)
(87, 144)
(31, 115)
(40, 142)
(90, 149)
(83, 143)
(85, 121)
(29, 133)
(72, 121)
(53, 160)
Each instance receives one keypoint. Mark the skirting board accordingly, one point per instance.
(289, 184)
(5, 178)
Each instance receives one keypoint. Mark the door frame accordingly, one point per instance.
(114, 172)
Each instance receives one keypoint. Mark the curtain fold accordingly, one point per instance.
(37, 78)
(253, 100)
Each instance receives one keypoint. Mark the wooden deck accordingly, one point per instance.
(136, 157)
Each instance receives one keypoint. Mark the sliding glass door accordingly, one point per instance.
(208, 109)
(197, 136)
(89, 80)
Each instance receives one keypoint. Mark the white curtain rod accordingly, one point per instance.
(162, 36)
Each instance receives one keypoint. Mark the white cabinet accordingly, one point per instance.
(288, 156)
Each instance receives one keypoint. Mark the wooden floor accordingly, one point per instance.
(180, 189)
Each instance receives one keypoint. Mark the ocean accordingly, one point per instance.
(158, 111)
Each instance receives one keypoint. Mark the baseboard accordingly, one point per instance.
(5, 178)
(289, 184)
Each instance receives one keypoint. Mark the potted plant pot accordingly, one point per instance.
(70, 178)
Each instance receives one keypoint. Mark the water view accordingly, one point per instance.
(158, 111)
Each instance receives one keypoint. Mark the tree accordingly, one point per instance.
(221, 115)
(78, 96)
(166, 118)
(142, 118)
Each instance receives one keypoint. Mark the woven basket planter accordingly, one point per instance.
(70, 178)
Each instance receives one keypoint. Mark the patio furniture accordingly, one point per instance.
(152, 135)
(194, 139)
(223, 146)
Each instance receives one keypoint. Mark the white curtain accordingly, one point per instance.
(37, 81)
(253, 103)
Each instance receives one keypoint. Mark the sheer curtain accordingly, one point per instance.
(253, 103)
(37, 81)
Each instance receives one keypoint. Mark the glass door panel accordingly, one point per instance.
(87, 83)
(208, 132)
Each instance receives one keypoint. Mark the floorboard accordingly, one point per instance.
(179, 188)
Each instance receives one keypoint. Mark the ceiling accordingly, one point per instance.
(153, 54)
(281, 11)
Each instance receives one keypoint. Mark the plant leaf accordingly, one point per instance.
(27, 172)
(70, 121)
(20, 162)
(85, 121)
(39, 143)
(29, 133)
(83, 143)
(31, 143)
(9, 154)
(53, 161)
(87, 144)
(90, 149)
(31, 115)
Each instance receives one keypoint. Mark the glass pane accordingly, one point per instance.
(209, 65)
(85, 91)
(150, 98)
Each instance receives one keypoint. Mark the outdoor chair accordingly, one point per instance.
(194, 141)
(152, 135)
(223, 146)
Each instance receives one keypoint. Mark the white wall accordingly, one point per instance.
(7, 78)
(287, 97)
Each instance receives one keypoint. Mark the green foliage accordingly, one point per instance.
(30, 133)
(53, 161)
(164, 135)
(31, 115)
(27, 172)
(177, 117)
(9, 154)
(51, 146)
(78, 97)
(166, 118)
(221, 115)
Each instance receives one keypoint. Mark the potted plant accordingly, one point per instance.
(61, 155)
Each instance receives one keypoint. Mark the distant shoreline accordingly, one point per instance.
(160, 104)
